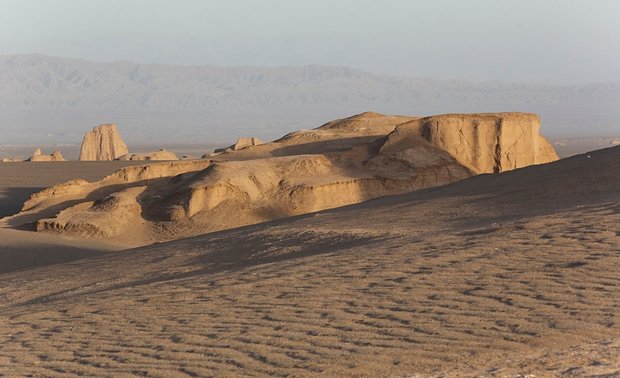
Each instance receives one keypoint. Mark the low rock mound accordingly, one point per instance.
(155, 155)
(240, 144)
(38, 156)
(334, 136)
(340, 163)
(107, 217)
(103, 143)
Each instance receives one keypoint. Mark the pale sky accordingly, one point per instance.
(550, 41)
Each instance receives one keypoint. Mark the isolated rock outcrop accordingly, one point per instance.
(155, 155)
(240, 144)
(37, 156)
(340, 163)
(103, 143)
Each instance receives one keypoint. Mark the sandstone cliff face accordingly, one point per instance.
(490, 143)
(484, 143)
(103, 143)
(340, 163)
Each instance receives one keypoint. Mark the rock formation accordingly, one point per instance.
(484, 143)
(103, 143)
(240, 144)
(37, 156)
(155, 155)
(342, 162)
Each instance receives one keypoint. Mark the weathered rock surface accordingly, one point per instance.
(484, 143)
(106, 217)
(342, 162)
(103, 143)
(240, 144)
(37, 156)
(155, 155)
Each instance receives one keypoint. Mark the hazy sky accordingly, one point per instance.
(559, 41)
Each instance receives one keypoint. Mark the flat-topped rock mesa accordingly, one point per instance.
(484, 143)
(340, 163)
(155, 155)
(38, 156)
(104, 142)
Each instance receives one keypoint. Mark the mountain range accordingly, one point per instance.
(55, 100)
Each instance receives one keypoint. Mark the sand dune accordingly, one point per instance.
(497, 275)
(340, 163)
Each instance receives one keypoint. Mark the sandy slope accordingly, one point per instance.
(496, 275)
(22, 250)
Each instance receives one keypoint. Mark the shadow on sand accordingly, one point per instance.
(12, 199)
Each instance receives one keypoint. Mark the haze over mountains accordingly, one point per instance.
(53, 100)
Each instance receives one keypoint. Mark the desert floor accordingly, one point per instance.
(498, 275)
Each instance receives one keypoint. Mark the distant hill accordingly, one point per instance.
(57, 99)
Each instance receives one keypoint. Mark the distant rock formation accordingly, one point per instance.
(240, 144)
(343, 162)
(155, 155)
(37, 156)
(103, 143)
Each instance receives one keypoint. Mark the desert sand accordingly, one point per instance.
(498, 275)
(466, 249)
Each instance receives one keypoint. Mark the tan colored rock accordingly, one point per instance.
(340, 163)
(103, 143)
(484, 143)
(107, 217)
(155, 155)
(240, 144)
(490, 143)
(38, 157)
(246, 142)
